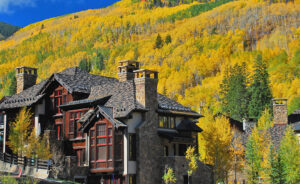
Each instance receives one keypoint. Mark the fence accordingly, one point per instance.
(24, 161)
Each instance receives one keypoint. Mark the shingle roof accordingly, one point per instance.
(188, 125)
(122, 99)
(168, 104)
(25, 98)
(73, 79)
(277, 132)
(107, 112)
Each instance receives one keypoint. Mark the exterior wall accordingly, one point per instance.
(202, 176)
(132, 124)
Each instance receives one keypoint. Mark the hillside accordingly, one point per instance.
(7, 30)
(206, 38)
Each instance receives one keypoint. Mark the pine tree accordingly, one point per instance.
(234, 92)
(158, 42)
(84, 64)
(168, 39)
(290, 156)
(99, 62)
(275, 169)
(260, 93)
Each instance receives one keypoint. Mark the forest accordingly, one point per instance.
(192, 44)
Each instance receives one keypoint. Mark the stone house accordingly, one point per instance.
(107, 130)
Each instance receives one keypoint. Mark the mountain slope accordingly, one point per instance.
(7, 30)
(204, 42)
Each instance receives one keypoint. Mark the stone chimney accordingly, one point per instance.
(126, 68)
(280, 111)
(146, 88)
(26, 77)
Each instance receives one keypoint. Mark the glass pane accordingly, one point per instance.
(101, 153)
(109, 152)
(92, 141)
(71, 126)
(110, 140)
(161, 121)
(165, 122)
(101, 130)
(101, 141)
(110, 131)
(172, 122)
(92, 133)
(92, 153)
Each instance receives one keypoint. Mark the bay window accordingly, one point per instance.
(101, 143)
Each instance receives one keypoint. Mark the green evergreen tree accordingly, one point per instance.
(290, 157)
(260, 93)
(158, 42)
(99, 62)
(12, 89)
(275, 169)
(234, 93)
(168, 39)
(252, 160)
(84, 64)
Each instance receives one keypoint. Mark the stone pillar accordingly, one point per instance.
(280, 111)
(4, 133)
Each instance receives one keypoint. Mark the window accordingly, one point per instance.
(182, 149)
(80, 157)
(58, 100)
(1, 119)
(166, 151)
(132, 147)
(174, 149)
(74, 125)
(101, 142)
(167, 122)
(132, 179)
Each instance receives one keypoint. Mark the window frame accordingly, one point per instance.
(168, 122)
(108, 145)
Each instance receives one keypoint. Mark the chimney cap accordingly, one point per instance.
(279, 101)
(128, 62)
(26, 70)
(145, 70)
(26, 67)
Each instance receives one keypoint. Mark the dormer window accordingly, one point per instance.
(58, 97)
(167, 122)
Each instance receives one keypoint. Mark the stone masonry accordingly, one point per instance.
(26, 77)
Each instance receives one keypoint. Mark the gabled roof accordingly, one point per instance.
(122, 94)
(106, 112)
(25, 98)
(73, 79)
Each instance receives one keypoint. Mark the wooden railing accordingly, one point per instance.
(24, 161)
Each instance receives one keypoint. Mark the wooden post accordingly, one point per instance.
(37, 164)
